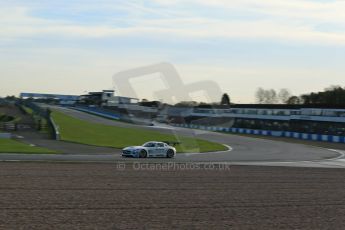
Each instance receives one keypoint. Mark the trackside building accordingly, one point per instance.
(294, 118)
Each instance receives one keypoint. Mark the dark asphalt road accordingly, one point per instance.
(243, 149)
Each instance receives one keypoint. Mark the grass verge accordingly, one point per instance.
(28, 110)
(13, 146)
(79, 131)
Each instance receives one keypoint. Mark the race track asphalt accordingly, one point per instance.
(243, 150)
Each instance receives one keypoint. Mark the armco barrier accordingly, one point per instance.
(5, 135)
(56, 129)
(303, 136)
(111, 115)
(95, 111)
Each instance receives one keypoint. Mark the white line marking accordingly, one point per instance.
(192, 154)
(330, 162)
(342, 155)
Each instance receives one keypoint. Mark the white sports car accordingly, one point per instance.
(150, 149)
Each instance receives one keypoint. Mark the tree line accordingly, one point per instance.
(271, 96)
(334, 95)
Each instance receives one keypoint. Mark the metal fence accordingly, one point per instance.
(8, 126)
(43, 113)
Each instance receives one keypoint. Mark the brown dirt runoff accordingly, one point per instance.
(105, 196)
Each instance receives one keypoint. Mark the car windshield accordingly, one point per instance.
(149, 144)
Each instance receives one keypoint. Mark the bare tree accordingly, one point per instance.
(260, 95)
(284, 95)
(268, 96)
(272, 97)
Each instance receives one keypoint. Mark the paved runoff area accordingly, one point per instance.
(182, 196)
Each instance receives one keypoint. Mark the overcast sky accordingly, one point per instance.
(71, 46)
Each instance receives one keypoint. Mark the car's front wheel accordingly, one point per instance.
(170, 153)
(143, 154)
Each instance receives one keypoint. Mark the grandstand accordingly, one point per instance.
(318, 120)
